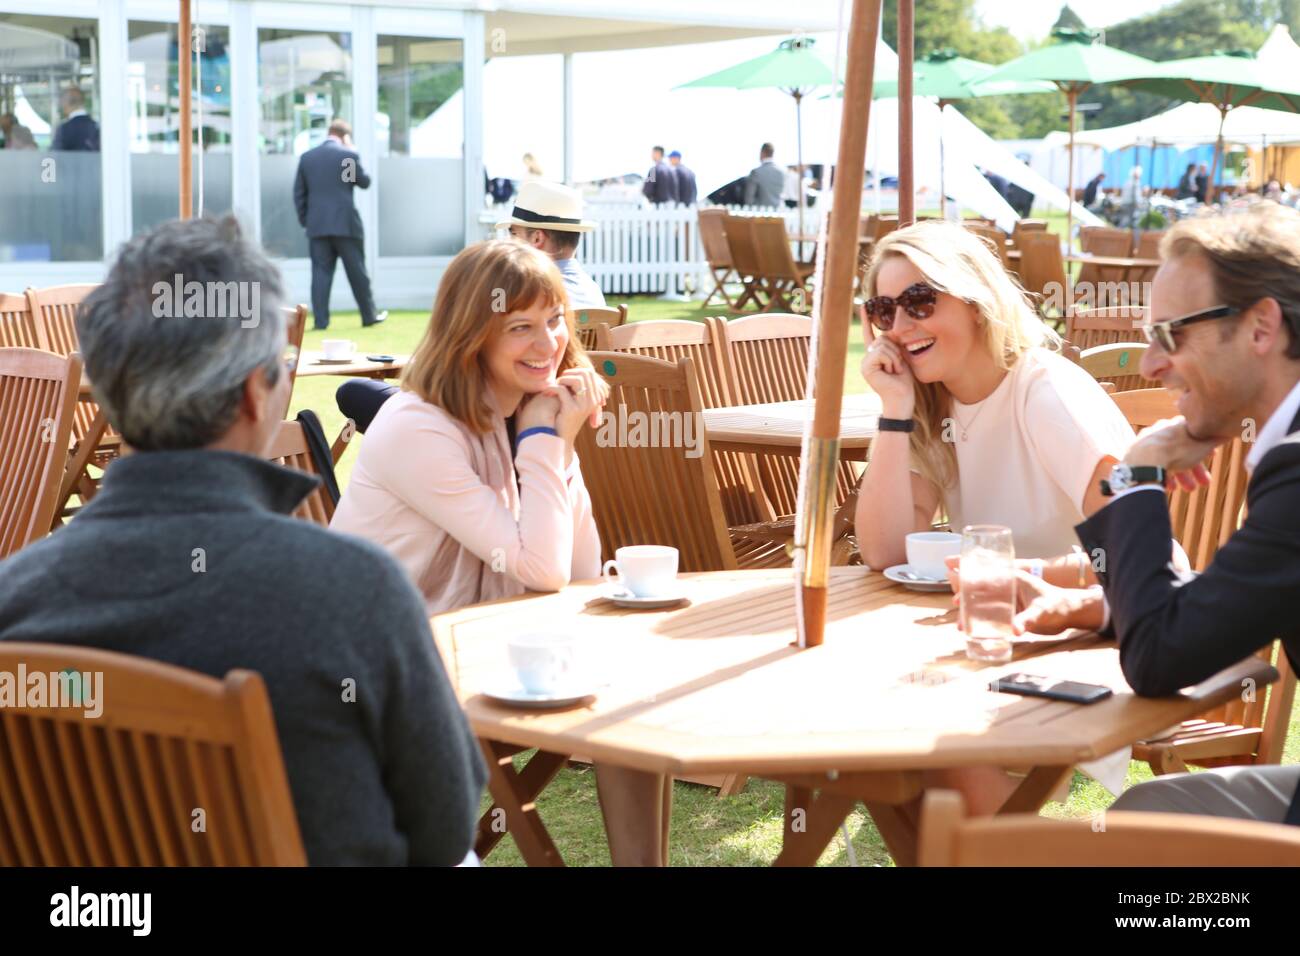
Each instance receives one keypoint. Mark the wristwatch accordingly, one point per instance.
(1124, 476)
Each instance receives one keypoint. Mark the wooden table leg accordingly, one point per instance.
(810, 824)
(636, 805)
(1034, 790)
(516, 793)
(899, 829)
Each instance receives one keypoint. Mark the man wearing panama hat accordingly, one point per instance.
(548, 216)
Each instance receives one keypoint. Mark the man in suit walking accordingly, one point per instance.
(686, 191)
(766, 181)
(322, 193)
(1225, 330)
(661, 182)
(78, 132)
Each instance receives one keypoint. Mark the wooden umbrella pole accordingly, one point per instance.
(906, 183)
(185, 39)
(1214, 163)
(798, 145)
(817, 497)
(1073, 96)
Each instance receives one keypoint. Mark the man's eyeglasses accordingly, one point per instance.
(917, 301)
(1162, 333)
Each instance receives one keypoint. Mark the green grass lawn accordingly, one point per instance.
(744, 830)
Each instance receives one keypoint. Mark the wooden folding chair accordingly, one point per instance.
(949, 838)
(713, 236)
(94, 441)
(17, 324)
(38, 394)
(290, 449)
(671, 340)
(1117, 364)
(787, 280)
(655, 490)
(992, 236)
(1104, 241)
(1148, 247)
(295, 326)
(585, 322)
(744, 253)
(1042, 269)
(1088, 328)
(1024, 227)
(1244, 731)
(123, 788)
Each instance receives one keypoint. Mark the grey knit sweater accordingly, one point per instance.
(191, 558)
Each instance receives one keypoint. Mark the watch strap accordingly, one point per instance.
(896, 424)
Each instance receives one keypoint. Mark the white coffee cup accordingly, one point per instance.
(927, 549)
(646, 570)
(542, 660)
(338, 349)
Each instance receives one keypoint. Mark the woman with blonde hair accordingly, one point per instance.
(982, 417)
(468, 476)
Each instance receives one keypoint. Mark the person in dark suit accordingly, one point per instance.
(322, 193)
(1090, 191)
(1225, 310)
(1202, 183)
(661, 182)
(1187, 183)
(686, 189)
(78, 132)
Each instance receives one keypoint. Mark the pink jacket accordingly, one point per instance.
(443, 500)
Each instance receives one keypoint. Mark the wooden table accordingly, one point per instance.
(1124, 262)
(311, 364)
(777, 427)
(716, 687)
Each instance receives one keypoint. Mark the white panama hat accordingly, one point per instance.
(542, 205)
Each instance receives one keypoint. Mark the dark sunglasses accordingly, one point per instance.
(1162, 333)
(917, 301)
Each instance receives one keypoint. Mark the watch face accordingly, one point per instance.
(1121, 476)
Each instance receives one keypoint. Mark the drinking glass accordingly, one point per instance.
(988, 591)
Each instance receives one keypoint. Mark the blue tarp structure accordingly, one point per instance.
(1170, 162)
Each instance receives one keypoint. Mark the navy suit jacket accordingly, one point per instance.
(79, 133)
(686, 191)
(322, 190)
(1173, 633)
(660, 184)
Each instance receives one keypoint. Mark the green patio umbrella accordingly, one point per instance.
(1228, 79)
(1073, 64)
(793, 68)
(946, 76)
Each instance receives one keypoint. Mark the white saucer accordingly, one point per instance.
(624, 598)
(898, 574)
(507, 690)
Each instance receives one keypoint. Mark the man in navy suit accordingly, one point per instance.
(322, 193)
(686, 191)
(660, 185)
(77, 132)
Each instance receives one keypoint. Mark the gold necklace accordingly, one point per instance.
(972, 421)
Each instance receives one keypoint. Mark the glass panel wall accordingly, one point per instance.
(304, 81)
(50, 162)
(153, 98)
(420, 132)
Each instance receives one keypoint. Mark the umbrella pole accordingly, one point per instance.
(906, 183)
(798, 146)
(1073, 96)
(1214, 163)
(184, 40)
(835, 305)
(943, 186)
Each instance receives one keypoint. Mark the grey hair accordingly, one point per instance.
(170, 371)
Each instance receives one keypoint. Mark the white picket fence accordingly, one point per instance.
(652, 249)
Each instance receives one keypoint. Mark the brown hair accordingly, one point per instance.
(340, 128)
(1253, 255)
(484, 283)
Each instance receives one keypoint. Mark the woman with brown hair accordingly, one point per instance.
(468, 475)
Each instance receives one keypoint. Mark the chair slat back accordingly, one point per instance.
(55, 313)
(1117, 364)
(122, 788)
(1089, 328)
(1042, 267)
(295, 327)
(18, 324)
(290, 449)
(672, 340)
(55, 310)
(1024, 227)
(949, 838)
(713, 235)
(740, 239)
(1104, 241)
(38, 391)
(772, 243)
(585, 322)
(994, 237)
(881, 226)
(1148, 247)
(645, 486)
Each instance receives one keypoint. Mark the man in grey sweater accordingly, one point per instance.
(189, 555)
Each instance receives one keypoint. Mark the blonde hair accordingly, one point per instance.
(484, 283)
(958, 262)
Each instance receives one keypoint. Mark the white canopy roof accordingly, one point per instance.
(1193, 124)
